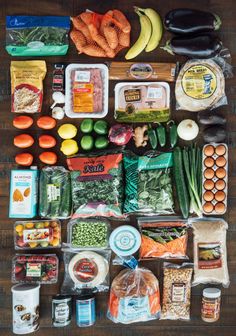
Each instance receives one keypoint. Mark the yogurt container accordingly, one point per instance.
(125, 240)
(25, 308)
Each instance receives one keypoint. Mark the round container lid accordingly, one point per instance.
(212, 293)
(24, 287)
(125, 240)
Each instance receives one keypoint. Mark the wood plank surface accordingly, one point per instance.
(226, 326)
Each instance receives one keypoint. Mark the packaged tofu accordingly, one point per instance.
(142, 102)
(23, 193)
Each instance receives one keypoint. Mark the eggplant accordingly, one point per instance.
(207, 118)
(191, 21)
(214, 134)
(202, 46)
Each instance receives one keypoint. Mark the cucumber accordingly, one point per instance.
(65, 206)
(181, 188)
(58, 180)
(44, 205)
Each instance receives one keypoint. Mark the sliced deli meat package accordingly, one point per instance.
(142, 102)
(134, 297)
(210, 251)
(97, 184)
(86, 91)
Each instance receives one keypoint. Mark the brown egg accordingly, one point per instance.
(208, 196)
(219, 207)
(220, 184)
(208, 207)
(220, 150)
(220, 173)
(209, 162)
(209, 184)
(209, 150)
(209, 173)
(221, 161)
(219, 196)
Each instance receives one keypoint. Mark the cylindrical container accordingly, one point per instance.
(61, 310)
(211, 304)
(85, 311)
(25, 306)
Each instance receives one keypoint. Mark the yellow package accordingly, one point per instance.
(27, 86)
(83, 97)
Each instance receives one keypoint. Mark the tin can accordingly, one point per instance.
(85, 311)
(61, 310)
(25, 307)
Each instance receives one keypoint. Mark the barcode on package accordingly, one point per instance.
(82, 76)
(154, 93)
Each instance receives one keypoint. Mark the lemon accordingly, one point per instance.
(67, 131)
(69, 147)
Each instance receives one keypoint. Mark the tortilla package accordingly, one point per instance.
(97, 185)
(134, 297)
(163, 237)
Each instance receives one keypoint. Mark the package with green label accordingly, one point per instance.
(142, 102)
(55, 193)
(148, 187)
(37, 35)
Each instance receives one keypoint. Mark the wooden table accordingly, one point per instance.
(227, 323)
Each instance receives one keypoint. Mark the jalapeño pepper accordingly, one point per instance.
(152, 137)
(173, 136)
(161, 135)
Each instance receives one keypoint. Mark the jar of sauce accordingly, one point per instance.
(211, 304)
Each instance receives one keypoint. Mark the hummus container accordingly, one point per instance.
(125, 240)
(25, 307)
(142, 102)
(86, 90)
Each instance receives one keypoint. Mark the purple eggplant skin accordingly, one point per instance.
(208, 118)
(202, 46)
(214, 133)
(191, 21)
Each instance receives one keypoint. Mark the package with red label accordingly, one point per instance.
(134, 297)
(97, 184)
(210, 252)
(39, 234)
(35, 268)
(85, 270)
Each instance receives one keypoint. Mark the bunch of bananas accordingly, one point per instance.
(150, 33)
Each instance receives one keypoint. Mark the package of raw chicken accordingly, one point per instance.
(86, 91)
(100, 35)
(142, 102)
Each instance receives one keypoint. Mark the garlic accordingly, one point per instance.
(187, 129)
(58, 112)
(58, 97)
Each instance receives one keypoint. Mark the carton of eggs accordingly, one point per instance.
(215, 178)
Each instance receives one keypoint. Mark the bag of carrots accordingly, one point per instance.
(100, 35)
(163, 237)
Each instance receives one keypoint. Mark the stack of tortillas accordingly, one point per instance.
(200, 85)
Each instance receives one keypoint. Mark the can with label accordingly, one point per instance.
(25, 307)
(85, 311)
(61, 310)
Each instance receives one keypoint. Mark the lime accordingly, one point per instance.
(87, 142)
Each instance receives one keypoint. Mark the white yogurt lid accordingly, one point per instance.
(125, 240)
(212, 293)
(24, 287)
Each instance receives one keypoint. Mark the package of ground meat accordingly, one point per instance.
(86, 91)
(210, 252)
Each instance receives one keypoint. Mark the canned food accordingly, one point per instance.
(61, 310)
(25, 306)
(85, 311)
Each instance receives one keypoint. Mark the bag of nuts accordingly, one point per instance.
(176, 291)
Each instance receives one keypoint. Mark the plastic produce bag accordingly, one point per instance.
(163, 237)
(97, 184)
(134, 297)
(148, 187)
(176, 291)
(85, 270)
(210, 252)
(37, 35)
(200, 84)
(55, 193)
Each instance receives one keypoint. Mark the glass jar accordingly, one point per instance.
(211, 304)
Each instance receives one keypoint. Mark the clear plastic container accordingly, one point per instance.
(84, 79)
(41, 234)
(35, 268)
(89, 233)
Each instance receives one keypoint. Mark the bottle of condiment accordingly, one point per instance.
(61, 310)
(211, 304)
(58, 77)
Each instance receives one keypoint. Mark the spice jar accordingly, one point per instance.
(211, 304)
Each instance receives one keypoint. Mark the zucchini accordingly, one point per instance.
(182, 191)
